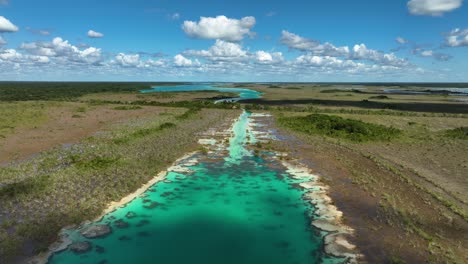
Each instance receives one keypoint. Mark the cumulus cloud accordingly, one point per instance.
(220, 51)
(220, 27)
(94, 34)
(134, 61)
(297, 42)
(63, 51)
(401, 40)
(7, 26)
(181, 61)
(359, 52)
(457, 38)
(326, 61)
(13, 56)
(433, 7)
(125, 60)
(268, 58)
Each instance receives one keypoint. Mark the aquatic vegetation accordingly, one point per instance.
(338, 127)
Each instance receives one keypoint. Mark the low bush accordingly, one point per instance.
(460, 133)
(338, 127)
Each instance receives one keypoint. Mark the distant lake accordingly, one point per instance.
(244, 94)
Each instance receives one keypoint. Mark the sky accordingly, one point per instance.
(234, 41)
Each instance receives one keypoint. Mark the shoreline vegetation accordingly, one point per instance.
(394, 165)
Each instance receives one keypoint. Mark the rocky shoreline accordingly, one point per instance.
(329, 218)
(336, 242)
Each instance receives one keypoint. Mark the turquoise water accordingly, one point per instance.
(233, 208)
(243, 93)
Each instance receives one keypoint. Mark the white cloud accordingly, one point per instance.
(361, 52)
(2, 41)
(220, 51)
(10, 55)
(297, 42)
(7, 26)
(267, 58)
(264, 56)
(325, 61)
(457, 38)
(431, 54)
(13, 56)
(401, 40)
(181, 61)
(94, 34)
(63, 51)
(220, 27)
(427, 53)
(134, 61)
(131, 60)
(433, 7)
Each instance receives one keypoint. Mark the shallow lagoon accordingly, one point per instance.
(243, 93)
(233, 209)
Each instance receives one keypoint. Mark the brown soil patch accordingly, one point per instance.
(66, 125)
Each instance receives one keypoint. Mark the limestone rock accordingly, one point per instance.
(80, 247)
(96, 231)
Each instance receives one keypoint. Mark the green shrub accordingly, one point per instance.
(460, 133)
(338, 127)
(379, 97)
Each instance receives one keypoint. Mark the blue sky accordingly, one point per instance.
(169, 40)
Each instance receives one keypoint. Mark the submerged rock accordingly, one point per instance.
(80, 247)
(121, 223)
(143, 222)
(130, 215)
(100, 249)
(96, 231)
(152, 205)
(143, 234)
(124, 238)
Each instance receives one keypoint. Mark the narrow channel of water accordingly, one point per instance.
(243, 92)
(232, 207)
